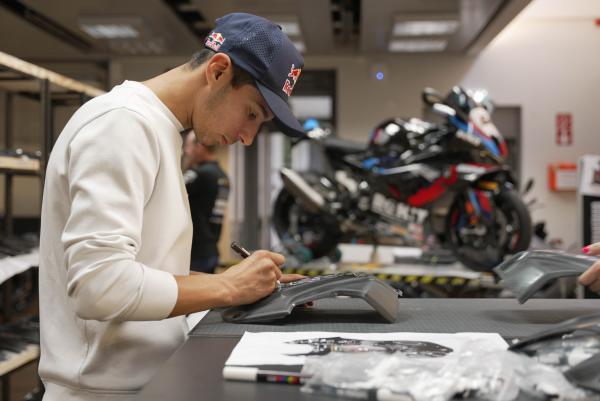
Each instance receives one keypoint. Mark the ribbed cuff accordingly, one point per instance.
(159, 296)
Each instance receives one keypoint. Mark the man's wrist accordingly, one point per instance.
(226, 291)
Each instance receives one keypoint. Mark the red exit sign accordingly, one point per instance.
(564, 129)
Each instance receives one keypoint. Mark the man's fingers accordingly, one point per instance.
(277, 258)
(278, 273)
(287, 278)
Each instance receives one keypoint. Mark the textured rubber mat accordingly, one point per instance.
(503, 316)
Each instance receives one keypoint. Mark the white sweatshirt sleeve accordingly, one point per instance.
(112, 165)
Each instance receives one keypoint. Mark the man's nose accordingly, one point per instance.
(247, 138)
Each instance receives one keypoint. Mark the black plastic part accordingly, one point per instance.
(589, 323)
(527, 272)
(381, 296)
(586, 374)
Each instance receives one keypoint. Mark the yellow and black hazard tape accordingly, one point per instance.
(429, 280)
(397, 278)
(305, 271)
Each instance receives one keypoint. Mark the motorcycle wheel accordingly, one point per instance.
(295, 226)
(483, 246)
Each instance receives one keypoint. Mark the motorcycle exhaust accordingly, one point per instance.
(311, 199)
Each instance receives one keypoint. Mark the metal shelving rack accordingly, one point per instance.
(20, 78)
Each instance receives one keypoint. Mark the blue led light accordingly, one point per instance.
(379, 75)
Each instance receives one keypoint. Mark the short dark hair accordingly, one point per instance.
(240, 76)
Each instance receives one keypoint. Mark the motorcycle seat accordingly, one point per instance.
(344, 146)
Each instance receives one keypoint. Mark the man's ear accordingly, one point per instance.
(219, 69)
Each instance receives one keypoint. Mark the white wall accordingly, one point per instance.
(547, 65)
(363, 102)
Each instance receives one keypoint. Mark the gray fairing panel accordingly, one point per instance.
(381, 296)
(527, 272)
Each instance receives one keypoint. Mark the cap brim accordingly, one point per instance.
(284, 118)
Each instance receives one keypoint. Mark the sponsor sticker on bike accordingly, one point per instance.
(397, 210)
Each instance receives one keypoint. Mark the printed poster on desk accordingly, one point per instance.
(290, 349)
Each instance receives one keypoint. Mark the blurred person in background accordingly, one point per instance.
(207, 186)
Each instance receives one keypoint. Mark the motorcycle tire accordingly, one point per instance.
(512, 229)
(311, 232)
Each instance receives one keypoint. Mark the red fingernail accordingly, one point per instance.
(585, 249)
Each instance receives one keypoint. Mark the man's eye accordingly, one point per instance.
(252, 115)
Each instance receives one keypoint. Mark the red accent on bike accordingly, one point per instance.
(454, 217)
(479, 131)
(394, 191)
(503, 149)
(469, 208)
(425, 195)
(484, 202)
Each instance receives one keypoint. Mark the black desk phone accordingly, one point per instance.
(380, 295)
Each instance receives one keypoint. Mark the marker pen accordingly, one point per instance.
(243, 252)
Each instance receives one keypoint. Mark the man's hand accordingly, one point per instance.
(250, 280)
(253, 278)
(288, 278)
(591, 277)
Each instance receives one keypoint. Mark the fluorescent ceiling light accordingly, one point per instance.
(421, 28)
(110, 31)
(417, 45)
(290, 28)
(299, 46)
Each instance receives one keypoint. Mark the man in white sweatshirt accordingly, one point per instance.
(116, 230)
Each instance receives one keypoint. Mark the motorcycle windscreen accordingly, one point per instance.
(527, 272)
(491, 137)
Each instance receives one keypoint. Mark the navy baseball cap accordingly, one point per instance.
(260, 47)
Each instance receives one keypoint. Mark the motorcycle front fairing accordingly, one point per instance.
(471, 174)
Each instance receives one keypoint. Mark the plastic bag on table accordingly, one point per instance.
(494, 376)
(566, 351)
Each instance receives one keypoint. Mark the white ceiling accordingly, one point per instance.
(328, 27)
(562, 9)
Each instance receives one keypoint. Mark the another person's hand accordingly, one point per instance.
(253, 278)
(591, 277)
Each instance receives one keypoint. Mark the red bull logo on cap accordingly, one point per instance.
(289, 84)
(214, 41)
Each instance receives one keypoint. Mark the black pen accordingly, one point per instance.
(240, 250)
(243, 252)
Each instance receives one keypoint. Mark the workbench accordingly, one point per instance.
(193, 373)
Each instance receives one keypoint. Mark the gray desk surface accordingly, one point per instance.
(194, 371)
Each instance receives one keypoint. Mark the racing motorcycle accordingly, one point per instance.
(413, 180)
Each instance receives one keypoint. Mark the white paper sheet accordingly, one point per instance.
(269, 348)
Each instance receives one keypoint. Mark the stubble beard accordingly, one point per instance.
(210, 135)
